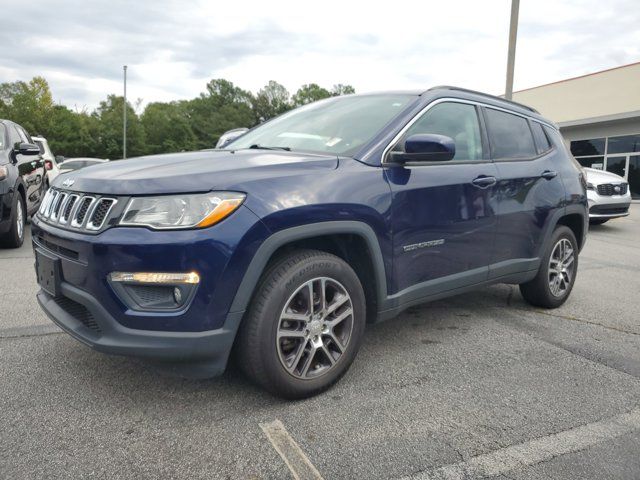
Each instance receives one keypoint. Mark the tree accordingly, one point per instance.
(222, 108)
(109, 139)
(340, 89)
(309, 93)
(270, 101)
(72, 134)
(167, 128)
(29, 104)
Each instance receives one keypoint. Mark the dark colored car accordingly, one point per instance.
(21, 181)
(283, 246)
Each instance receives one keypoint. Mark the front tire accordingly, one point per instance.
(304, 326)
(557, 273)
(15, 236)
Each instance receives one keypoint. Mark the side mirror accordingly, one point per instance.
(425, 148)
(25, 148)
(59, 159)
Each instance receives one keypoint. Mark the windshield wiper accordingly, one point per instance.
(255, 146)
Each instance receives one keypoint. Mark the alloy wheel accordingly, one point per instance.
(19, 219)
(314, 328)
(561, 267)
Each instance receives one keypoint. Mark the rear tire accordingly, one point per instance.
(15, 236)
(557, 273)
(304, 325)
(598, 221)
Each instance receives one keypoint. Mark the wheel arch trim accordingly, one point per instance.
(279, 239)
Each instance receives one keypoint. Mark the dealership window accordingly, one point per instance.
(582, 148)
(591, 162)
(624, 144)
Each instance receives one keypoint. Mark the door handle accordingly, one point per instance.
(484, 182)
(549, 174)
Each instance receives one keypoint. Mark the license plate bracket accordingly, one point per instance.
(48, 272)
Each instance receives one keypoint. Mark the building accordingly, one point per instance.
(599, 116)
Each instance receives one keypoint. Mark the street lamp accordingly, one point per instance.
(511, 56)
(124, 116)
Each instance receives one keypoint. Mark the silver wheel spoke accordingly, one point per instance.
(310, 343)
(561, 267)
(336, 321)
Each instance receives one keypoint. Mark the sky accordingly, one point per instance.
(173, 48)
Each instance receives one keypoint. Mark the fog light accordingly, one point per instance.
(155, 291)
(155, 277)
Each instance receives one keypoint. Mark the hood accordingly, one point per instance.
(191, 172)
(597, 177)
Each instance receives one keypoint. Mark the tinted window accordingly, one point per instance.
(542, 142)
(23, 135)
(509, 135)
(592, 162)
(14, 137)
(456, 120)
(625, 144)
(594, 146)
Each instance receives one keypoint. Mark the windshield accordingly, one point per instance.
(338, 125)
(73, 165)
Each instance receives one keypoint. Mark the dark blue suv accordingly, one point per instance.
(281, 247)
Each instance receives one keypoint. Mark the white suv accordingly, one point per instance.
(608, 195)
(50, 164)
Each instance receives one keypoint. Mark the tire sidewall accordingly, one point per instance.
(270, 315)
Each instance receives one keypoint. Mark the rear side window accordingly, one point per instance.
(542, 142)
(509, 135)
(458, 121)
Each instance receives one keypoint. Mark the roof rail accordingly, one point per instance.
(475, 92)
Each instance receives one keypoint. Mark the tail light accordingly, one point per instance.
(48, 164)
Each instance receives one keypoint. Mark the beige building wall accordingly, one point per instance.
(605, 94)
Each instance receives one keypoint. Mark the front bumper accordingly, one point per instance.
(82, 317)
(612, 206)
(88, 308)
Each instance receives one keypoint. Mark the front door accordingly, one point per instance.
(443, 213)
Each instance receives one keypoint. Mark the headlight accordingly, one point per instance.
(181, 211)
(590, 186)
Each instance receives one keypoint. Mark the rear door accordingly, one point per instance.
(443, 213)
(529, 189)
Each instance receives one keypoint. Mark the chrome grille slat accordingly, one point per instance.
(77, 211)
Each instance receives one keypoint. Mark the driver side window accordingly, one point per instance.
(458, 121)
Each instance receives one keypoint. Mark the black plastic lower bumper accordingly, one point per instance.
(80, 315)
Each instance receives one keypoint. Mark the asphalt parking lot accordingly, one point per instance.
(477, 385)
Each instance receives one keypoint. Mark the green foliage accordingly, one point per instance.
(308, 93)
(270, 101)
(161, 128)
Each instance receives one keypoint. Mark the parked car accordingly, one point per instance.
(229, 136)
(608, 195)
(282, 247)
(73, 164)
(21, 181)
(50, 161)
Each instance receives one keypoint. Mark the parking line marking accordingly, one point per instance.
(299, 465)
(537, 450)
(30, 331)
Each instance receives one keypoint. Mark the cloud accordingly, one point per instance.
(173, 48)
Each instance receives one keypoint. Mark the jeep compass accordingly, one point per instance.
(278, 249)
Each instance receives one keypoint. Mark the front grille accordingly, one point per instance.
(76, 210)
(79, 312)
(609, 189)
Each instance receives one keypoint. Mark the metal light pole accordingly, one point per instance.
(124, 116)
(511, 57)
